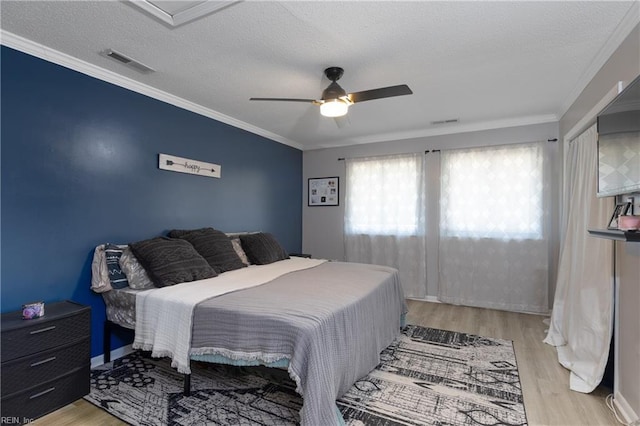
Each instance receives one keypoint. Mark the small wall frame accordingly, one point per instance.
(620, 210)
(323, 191)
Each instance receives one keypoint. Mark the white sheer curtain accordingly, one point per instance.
(493, 227)
(582, 317)
(384, 216)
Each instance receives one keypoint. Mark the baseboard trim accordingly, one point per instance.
(432, 299)
(625, 410)
(115, 354)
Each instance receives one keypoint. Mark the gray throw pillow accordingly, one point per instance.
(214, 246)
(179, 233)
(262, 248)
(170, 261)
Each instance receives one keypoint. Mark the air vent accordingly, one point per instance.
(118, 57)
(449, 121)
(124, 59)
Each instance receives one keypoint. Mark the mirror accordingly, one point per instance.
(619, 143)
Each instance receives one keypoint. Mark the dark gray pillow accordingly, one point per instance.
(215, 246)
(170, 261)
(179, 233)
(262, 248)
(112, 255)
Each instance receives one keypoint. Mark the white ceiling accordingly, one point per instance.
(488, 64)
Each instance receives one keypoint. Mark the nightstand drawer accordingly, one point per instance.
(44, 334)
(25, 372)
(45, 398)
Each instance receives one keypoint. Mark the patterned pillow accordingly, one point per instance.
(135, 272)
(262, 248)
(214, 246)
(237, 246)
(112, 254)
(170, 261)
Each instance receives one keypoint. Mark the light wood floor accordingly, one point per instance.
(545, 383)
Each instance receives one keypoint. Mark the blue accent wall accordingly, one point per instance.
(80, 168)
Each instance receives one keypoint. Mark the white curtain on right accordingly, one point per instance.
(582, 317)
(493, 228)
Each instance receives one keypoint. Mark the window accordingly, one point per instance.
(384, 195)
(493, 192)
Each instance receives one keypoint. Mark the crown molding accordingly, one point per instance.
(590, 117)
(628, 23)
(51, 55)
(448, 130)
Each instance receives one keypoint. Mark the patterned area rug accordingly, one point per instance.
(426, 377)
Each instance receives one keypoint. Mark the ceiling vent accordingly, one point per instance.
(125, 60)
(448, 121)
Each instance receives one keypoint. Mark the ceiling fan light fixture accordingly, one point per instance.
(334, 108)
(335, 100)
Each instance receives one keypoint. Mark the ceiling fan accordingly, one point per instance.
(335, 101)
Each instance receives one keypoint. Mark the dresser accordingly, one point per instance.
(46, 362)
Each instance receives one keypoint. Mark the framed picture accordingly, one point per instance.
(324, 191)
(621, 209)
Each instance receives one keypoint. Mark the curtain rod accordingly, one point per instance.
(426, 152)
(385, 155)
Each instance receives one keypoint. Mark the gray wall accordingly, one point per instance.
(322, 227)
(322, 233)
(627, 332)
(623, 65)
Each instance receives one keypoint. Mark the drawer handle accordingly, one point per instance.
(44, 361)
(44, 392)
(42, 330)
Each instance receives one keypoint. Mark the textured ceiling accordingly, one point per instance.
(488, 64)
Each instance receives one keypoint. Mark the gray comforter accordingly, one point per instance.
(331, 322)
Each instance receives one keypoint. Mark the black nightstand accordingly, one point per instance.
(305, 255)
(46, 362)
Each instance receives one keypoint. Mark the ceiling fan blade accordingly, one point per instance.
(309, 121)
(383, 92)
(283, 99)
(342, 121)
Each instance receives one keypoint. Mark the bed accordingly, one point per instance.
(325, 322)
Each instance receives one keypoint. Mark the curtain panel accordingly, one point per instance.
(493, 228)
(385, 216)
(582, 317)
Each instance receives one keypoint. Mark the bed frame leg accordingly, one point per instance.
(187, 385)
(106, 341)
